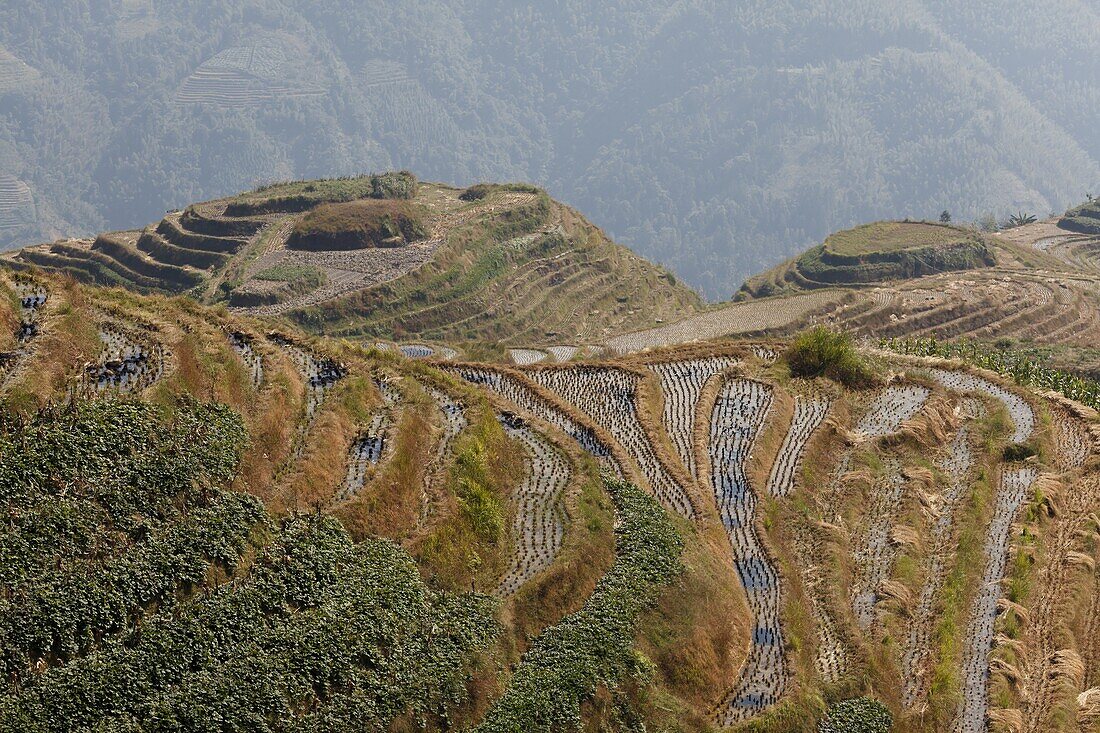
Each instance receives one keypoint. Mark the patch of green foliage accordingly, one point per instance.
(594, 646)
(306, 274)
(859, 715)
(476, 499)
(297, 196)
(140, 595)
(1014, 452)
(1023, 367)
(820, 352)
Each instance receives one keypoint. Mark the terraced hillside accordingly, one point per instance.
(503, 263)
(274, 530)
(874, 253)
(1033, 289)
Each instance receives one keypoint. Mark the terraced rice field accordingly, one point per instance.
(416, 351)
(454, 421)
(32, 298)
(809, 414)
(885, 415)
(350, 270)
(529, 402)
(609, 398)
(754, 316)
(16, 202)
(128, 363)
(319, 373)
(1047, 666)
(370, 445)
(245, 76)
(739, 414)
(244, 346)
(892, 407)
(682, 385)
(1012, 489)
(957, 466)
(527, 357)
(1073, 441)
(563, 353)
(873, 550)
(1020, 412)
(539, 525)
(14, 72)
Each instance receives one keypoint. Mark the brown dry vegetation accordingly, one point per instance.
(358, 225)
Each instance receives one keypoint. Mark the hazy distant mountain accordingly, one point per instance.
(715, 137)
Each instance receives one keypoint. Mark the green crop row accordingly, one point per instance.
(1025, 368)
(594, 646)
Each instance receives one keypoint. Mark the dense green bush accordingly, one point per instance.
(1019, 452)
(820, 352)
(859, 715)
(594, 646)
(476, 192)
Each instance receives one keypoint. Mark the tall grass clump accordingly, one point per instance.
(820, 352)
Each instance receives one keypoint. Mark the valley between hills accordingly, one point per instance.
(379, 454)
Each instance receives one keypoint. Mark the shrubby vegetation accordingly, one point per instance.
(859, 715)
(479, 191)
(139, 595)
(820, 352)
(1025, 368)
(304, 195)
(594, 646)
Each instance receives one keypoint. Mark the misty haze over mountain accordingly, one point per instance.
(717, 138)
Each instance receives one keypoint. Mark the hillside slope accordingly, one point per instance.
(279, 531)
(388, 257)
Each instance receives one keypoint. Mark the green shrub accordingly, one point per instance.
(859, 715)
(476, 192)
(479, 191)
(1015, 452)
(820, 352)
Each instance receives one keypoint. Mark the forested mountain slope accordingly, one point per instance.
(716, 138)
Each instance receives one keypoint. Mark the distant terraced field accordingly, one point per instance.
(247, 75)
(16, 204)
(14, 72)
